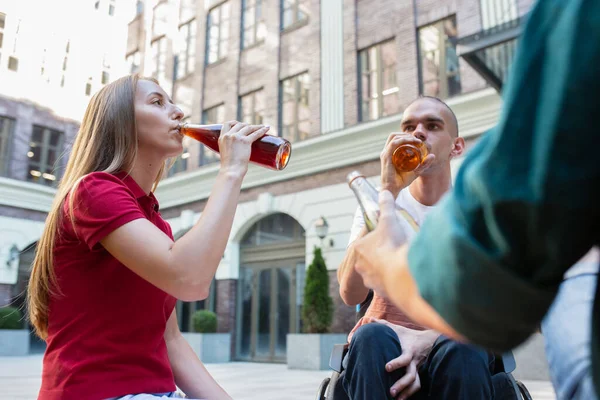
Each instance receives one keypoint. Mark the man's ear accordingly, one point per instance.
(458, 147)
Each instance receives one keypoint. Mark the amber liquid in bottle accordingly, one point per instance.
(269, 151)
(408, 157)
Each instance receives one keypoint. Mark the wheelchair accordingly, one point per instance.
(330, 386)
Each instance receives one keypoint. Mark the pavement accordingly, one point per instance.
(20, 379)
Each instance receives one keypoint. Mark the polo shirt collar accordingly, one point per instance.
(137, 191)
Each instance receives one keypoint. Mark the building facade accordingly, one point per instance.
(331, 76)
(50, 65)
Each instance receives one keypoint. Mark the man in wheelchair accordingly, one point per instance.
(389, 356)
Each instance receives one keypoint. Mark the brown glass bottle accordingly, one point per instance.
(408, 157)
(269, 151)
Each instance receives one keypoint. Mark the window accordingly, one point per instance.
(2, 22)
(187, 56)
(133, 60)
(217, 34)
(159, 57)
(13, 63)
(439, 60)
(187, 10)
(295, 113)
(180, 163)
(111, 8)
(160, 22)
(6, 131)
(498, 12)
(139, 7)
(293, 12)
(97, 5)
(44, 149)
(254, 29)
(214, 115)
(105, 77)
(88, 87)
(378, 91)
(252, 107)
(43, 72)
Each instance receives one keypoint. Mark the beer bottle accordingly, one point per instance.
(269, 151)
(368, 199)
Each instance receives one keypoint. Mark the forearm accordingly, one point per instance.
(352, 288)
(190, 374)
(205, 243)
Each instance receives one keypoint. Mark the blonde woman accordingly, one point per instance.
(107, 272)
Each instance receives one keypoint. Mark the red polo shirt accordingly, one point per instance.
(105, 333)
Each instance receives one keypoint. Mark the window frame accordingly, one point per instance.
(253, 112)
(223, 40)
(442, 77)
(46, 148)
(188, 48)
(298, 94)
(219, 108)
(6, 142)
(366, 72)
(255, 27)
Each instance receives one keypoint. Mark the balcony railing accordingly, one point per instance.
(491, 51)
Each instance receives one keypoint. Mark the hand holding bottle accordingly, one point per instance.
(268, 151)
(393, 177)
(378, 251)
(235, 143)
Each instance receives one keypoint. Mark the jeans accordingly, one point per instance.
(567, 335)
(452, 370)
(150, 396)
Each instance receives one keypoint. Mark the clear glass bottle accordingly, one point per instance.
(368, 199)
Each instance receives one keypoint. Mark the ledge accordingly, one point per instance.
(26, 195)
(476, 112)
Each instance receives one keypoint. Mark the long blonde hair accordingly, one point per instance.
(107, 142)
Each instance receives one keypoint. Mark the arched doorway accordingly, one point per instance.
(270, 286)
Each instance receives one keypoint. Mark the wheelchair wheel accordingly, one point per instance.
(523, 390)
(323, 389)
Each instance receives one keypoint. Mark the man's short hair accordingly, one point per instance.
(454, 119)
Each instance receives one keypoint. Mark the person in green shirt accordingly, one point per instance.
(489, 260)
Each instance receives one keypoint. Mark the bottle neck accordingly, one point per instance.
(361, 186)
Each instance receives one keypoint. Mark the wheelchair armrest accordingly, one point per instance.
(337, 355)
(508, 359)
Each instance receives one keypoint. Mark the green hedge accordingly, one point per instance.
(317, 311)
(204, 321)
(10, 318)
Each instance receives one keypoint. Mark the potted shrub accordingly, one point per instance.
(14, 339)
(312, 349)
(211, 347)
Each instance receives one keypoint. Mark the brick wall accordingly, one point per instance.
(13, 212)
(225, 308)
(326, 178)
